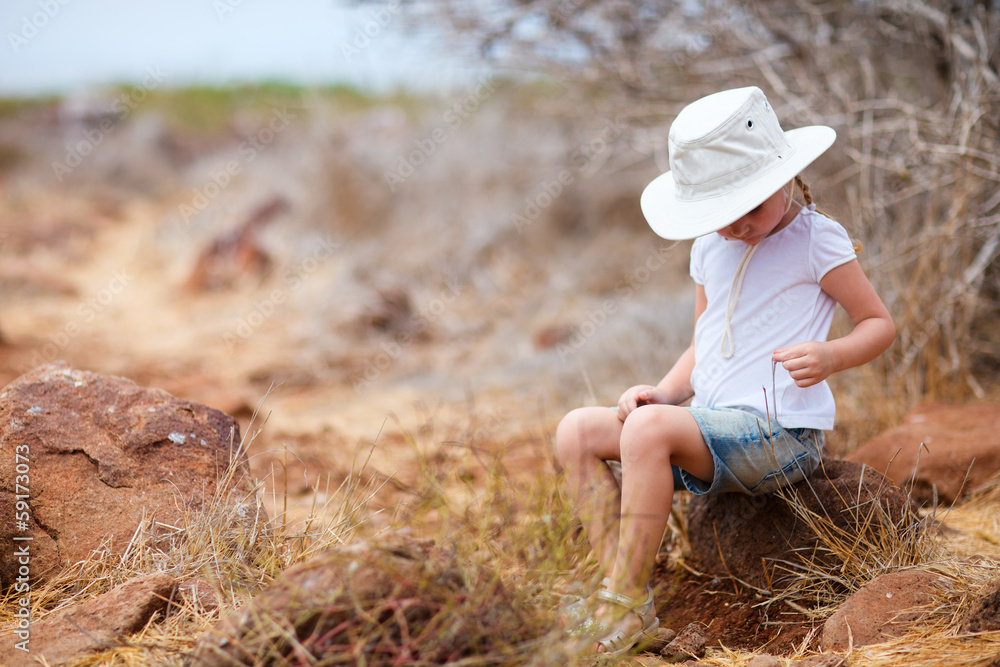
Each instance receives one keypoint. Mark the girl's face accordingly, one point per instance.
(768, 218)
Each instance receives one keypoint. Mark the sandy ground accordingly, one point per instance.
(417, 316)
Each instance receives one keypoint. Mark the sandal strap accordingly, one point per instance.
(618, 642)
(617, 598)
(624, 601)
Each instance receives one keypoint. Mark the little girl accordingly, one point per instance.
(768, 275)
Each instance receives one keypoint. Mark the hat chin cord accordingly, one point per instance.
(735, 288)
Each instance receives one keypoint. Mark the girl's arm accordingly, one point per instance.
(675, 387)
(812, 362)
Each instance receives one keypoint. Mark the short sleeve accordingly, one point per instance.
(697, 269)
(829, 246)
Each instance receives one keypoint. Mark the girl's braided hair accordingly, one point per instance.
(804, 189)
(807, 197)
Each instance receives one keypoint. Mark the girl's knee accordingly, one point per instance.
(647, 433)
(647, 418)
(568, 436)
(575, 435)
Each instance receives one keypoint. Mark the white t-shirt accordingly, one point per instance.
(781, 304)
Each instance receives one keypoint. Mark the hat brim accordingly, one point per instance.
(678, 220)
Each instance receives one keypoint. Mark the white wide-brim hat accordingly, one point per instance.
(727, 155)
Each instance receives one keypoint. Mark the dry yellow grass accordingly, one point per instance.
(886, 541)
(519, 527)
(228, 543)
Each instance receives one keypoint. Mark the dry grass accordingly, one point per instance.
(957, 543)
(228, 543)
(973, 528)
(515, 569)
(518, 548)
(886, 540)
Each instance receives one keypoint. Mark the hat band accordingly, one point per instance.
(733, 180)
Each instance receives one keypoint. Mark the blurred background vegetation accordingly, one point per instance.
(588, 87)
(911, 87)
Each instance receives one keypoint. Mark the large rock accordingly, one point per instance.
(89, 455)
(959, 440)
(732, 534)
(92, 626)
(885, 608)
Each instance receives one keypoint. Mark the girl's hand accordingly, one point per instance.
(808, 363)
(642, 394)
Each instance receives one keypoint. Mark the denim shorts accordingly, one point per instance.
(744, 461)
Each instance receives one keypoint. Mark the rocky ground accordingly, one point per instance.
(348, 308)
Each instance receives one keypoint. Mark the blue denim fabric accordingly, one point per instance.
(747, 462)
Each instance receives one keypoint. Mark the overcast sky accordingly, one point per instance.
(69, 45)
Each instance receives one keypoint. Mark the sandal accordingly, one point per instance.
(574, 610)
(618, 643)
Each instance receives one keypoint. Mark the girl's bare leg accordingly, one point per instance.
(585, 439)
(653, 437)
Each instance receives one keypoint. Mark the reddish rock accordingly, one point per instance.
(338, 591)
(984, 613)
(732, 534)
(690, 643)
(237, 254)
(94, 625)
(200, 593)
(954, 436)
(764, 660)
(663, 637)
(100, 453)
(821, 660)
(883, 609)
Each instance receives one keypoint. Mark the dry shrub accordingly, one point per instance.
(392, 601)
(483, 591)
(876, 538)
(954, 543)
(911, 86)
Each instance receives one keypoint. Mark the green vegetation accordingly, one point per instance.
(13, 107)
(208, 110)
